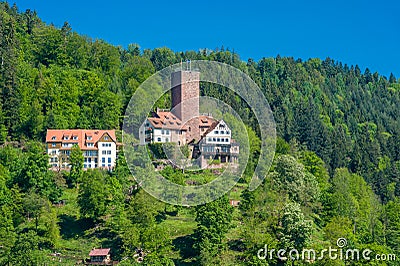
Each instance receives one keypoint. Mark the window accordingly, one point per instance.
(103, 165)
(90, 144)
(65, 144)
(214, 139)
(167, 132)
(109, 159)
(104, 152)
(85, 160)
(66, 137)
(162, 132)
(216, 132)
(209, 139)
(89, 160)
(109, 152)
(227, 140)
(106, 138)
(166, 139)
(53, 138)
(109, 165)
(103, 160)
(227, 132)
(218, 139)
(84, 166)
(53, 145)
(89, 137)
(74, 137)
(159, 139)
(222, 140)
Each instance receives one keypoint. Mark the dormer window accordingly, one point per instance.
(75, 137)
(53, 138)
(66, 137)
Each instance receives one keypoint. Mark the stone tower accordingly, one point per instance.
(185, 95)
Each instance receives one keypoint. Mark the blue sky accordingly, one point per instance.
(366, 33)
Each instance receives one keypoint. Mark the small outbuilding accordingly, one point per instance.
(100, 256)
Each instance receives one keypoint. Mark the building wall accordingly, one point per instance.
(107, 154)
(221, 134)
(185, 95)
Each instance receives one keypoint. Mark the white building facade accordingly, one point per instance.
(99, 147)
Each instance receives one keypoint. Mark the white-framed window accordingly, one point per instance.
(74, 137)
(89, 137)
(65, 145)
(104, 152)
(53, 138)
(158, 139)
(162, 132)
(90, 144)
(167, 132)
(216, 132)
(109, 152)
(209, 139)
(66, 137)
(53, 145)
(106, 138)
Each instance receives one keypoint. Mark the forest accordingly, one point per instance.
(335, 173)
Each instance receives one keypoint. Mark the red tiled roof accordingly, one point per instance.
(206, 121)
(56, 135)
(211, 128)
(99, 252)
(166, 120)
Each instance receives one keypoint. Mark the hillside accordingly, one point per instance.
(336, 172)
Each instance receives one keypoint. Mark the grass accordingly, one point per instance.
(79, 235)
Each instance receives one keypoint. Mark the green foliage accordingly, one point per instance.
(296, 230)
(93, 194)
(336, 171)
(214, 221)
(291, 177)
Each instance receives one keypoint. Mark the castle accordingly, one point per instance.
(208, 138)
